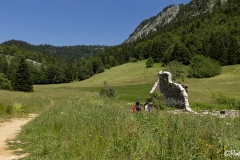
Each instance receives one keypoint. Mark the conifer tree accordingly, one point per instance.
(3, 64)
(181, 54)
(232, 53)
(22, 79)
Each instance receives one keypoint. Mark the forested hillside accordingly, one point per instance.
(202, 27)
(205, 27)
(206, 30)
(46, 64)
(43, 68)
(66, 53)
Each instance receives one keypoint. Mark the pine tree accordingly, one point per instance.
(22, 79)
(232, 53)
(181, 54)
(3, 64)
(217, 48)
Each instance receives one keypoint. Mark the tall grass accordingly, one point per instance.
(94, 128)
(75, 123)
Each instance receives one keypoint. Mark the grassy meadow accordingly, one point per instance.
(74, 122)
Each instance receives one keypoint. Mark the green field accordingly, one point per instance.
(76, 123)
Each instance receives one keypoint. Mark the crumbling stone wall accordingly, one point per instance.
(222, 113)
(175, 95)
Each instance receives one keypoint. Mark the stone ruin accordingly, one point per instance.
(175, 94)
(218, 113)
(221, 113)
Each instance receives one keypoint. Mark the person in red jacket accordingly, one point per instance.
(136, 108)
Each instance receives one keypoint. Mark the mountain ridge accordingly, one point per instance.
(68, 53)
(170, 14)
(162, 19)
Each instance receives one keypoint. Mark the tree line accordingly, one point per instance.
(41, 68)
(67, 53)
(212, 34)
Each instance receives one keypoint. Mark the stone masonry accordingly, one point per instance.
(175, 94)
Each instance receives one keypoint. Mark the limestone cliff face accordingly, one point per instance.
(170, 14)
(162, 19)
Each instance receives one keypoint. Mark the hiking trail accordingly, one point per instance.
(8, 131)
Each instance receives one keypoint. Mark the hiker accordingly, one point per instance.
(136, 108)
(149, 106)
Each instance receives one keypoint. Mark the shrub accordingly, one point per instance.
(202, 67)
(5, 84)
(149, 62)
(158, 100)
(178, 71)
(108, 91)
(133, 60)
(108, 66)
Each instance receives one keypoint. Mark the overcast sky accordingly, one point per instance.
(75, 22)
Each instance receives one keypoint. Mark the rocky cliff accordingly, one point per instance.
(171, 13)
(161, 19)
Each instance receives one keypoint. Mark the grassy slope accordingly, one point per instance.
(228, 82)
(133, 80)
(77, 124)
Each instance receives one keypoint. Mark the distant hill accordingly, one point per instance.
(49, 64)
(67, 53)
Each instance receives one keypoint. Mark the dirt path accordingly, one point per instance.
(9, 130)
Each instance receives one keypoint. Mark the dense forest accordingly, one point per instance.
(202, 27)
(67, 53)
(209, 28)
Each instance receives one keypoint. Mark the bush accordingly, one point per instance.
(158, 100)
(108, 91)
(149, 62)
(178, 71)
(5, 84)
(202, 67)
(133, 60)
(108, 66)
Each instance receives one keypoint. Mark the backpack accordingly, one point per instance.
(138, 108)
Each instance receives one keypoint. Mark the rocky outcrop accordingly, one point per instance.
(160, 20)
(34, 62)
